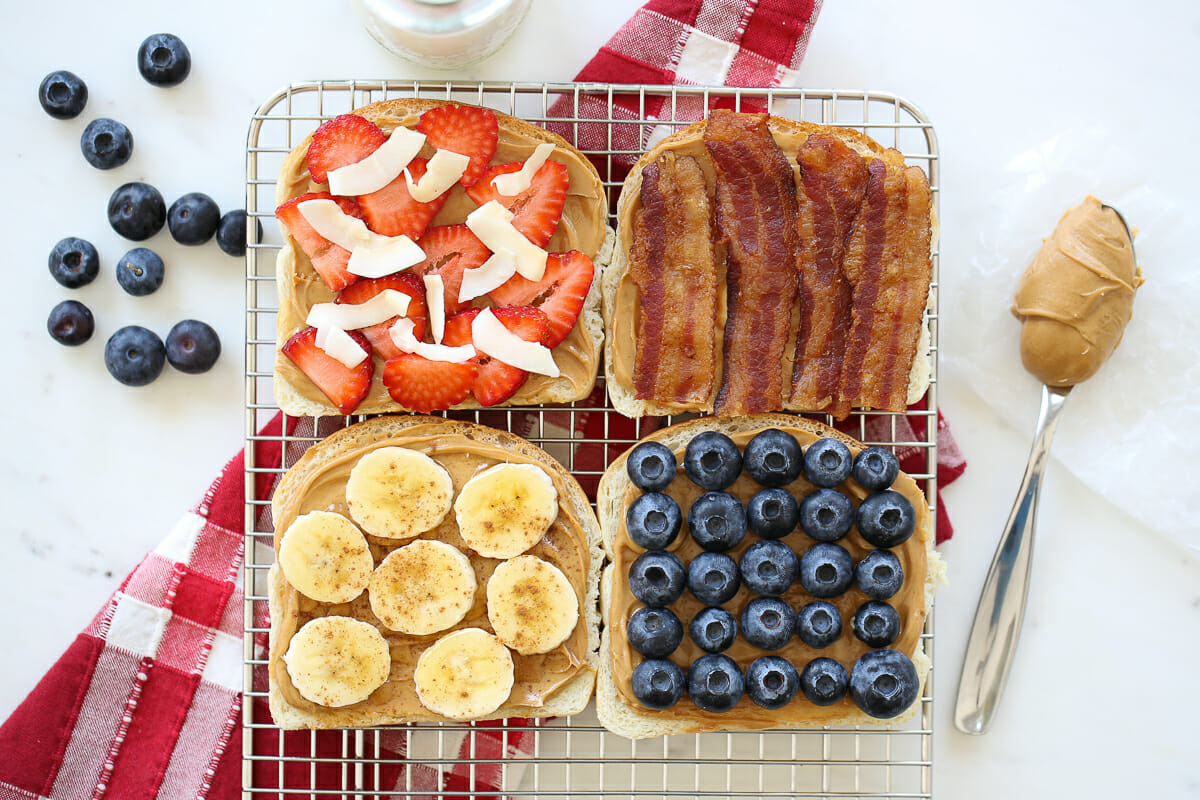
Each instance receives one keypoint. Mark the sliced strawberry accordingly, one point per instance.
(466, 130)
(379, 335)
(498, 381)
(349, 205)
(328, 259)
(560, 293)
(537, 210)
(340, 142)
(344, 386)
(392, 211)
(450, 250)
(419, 384)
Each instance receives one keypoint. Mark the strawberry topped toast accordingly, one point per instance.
(437, 255)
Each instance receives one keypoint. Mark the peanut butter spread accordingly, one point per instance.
(537, 677)
(1076, 297)
(910, 602)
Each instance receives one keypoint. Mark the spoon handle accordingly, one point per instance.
(997, 626)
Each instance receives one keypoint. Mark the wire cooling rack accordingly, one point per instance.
(573, 756)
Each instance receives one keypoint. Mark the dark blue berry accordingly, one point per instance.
(886, 519)
(136, 211)
(231, 232)
(134, 355)
(713, 578)
(164, 60)
(193, 346)
(658, 683)
(657, 578)
(883, 683)
(140, 271)
(827, 462)
(824, 681)
(106, 143)
(717, 521)
(712, 461)
(70, 323)
(715, 683)
(826, 570)
(654, 632)
(772, 513)
(769, 568)
(651, 466)
(74, 262)
(768, 622)
(826, 515)
(653, 520)
(876, 624)
(875, 468)
(713, 629)
(193, 218)
(818, 624)
(62, 94)
(879, 574)
(773, 458)
(771, 682)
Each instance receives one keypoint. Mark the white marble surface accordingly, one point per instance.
(1102, 692)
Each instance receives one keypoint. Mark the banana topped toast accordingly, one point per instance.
(430, 570)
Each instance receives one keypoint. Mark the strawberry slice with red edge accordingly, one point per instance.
(379, 334)
(331, 261)
(419, 384)
(497, 381)
(344, 386)
(340, 142)
(451, 250)
(392, 211)
(537, 210)
(467, 130)
(349, 206)
(560, 293)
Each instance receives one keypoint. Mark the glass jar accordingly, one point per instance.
(443, 33)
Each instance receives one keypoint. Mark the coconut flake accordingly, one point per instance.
(492, 223)
(511, 184)
(402, 336)
(379, 168)
(493, 339)
(340, 345)
(492, 273)
(442, 172)
(435, 298)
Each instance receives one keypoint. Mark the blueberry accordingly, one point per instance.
(717, 521)
(886, 519)
(772, 513)
(769, 568)
(715, 683)
(70, 323)
(106, 143)
(657, 578)
(712, 461)
(62, 94)
(827, 463)
(824, 681)
(713, 578)
(773, 458)
(651, 466)
(658, 683)
(231, 232)
(876, 624)
(193, 346)
(713, 629)
(883, 683)
(768, 622)
(140, 271)
(134, 355)
(193, 218)
(136, 211)
(654, 632)
(879, 574)
(74, 262)
(826, 515)
(164, 60)
(818, 624)
(826, 570)
(653, 521)
(875, 468)
(771, 682)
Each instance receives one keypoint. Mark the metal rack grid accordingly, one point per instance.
(573, 756)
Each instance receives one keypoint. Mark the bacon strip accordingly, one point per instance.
(756, 215)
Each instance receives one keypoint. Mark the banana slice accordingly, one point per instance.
(531, 605)
(326, 557)
(466, 674)
(397, 493)
(505, 510)
(337, 661)
(423, 587)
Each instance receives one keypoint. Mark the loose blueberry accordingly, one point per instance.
(769, 568)
(231, 232)
(883, 683)
(134, 355)
(717, 521)
(827, 463)
(826, 515)
(713, 578)
(70, 323)
(826, 570)
(193, 218)
(654, 632)
(824, 681)
(818, 624)
(106, 143)
(651, 466)
(140, 271)
(773, 458)
(164, 60)
(657, 578)
(768, 622)
(136, 211)
(713, 629)
(886, 519)
(875, 468)
(193, 346)
(772, 513)
(879, 574)
(771, 682)
(658, 683)
(715, 683)
(653, 521)
(63, 94)
(712, 461)
(876, 624)
(74, 262)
